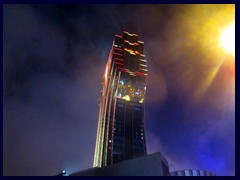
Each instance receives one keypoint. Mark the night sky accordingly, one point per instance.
(54, 58)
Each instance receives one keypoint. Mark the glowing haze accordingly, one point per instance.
(227, 38)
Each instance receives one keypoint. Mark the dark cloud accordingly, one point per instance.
(53, 61)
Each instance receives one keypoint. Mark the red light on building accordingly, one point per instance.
(119, 136)
(118, 35)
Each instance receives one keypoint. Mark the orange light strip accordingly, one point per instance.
(136, 52)
(128, 33)
(143, 65)
(118, 49)
(118, 63)
(132, 44)
(132, 73)
(118, 35)
(123, 69)
(119, 59)
(139, 73)
(117, 54)
(143, 69)
(129, 50)
(143, 60)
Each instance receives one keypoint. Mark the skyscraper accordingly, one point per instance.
(120, 144)
(120, 133)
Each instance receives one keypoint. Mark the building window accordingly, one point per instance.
(201, 173)
(194, 173)
(187, 173)
(180, 173)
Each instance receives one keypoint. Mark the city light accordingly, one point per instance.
(127, 98)
(227, 38)
(121, 82)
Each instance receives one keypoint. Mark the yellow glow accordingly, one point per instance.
(202, 26)
(227, 39)
(141, 101)
(130, 51)
(126, 97)
(201, 90)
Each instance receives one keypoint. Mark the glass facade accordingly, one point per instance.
(121, 134)
(192, 173)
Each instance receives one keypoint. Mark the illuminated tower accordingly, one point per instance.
(120, 133)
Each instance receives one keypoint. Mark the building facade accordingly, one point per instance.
(192, 173)
(149, 165)
(120, 133)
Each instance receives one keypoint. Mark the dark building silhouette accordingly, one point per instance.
(149, 165)
(120, 134)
